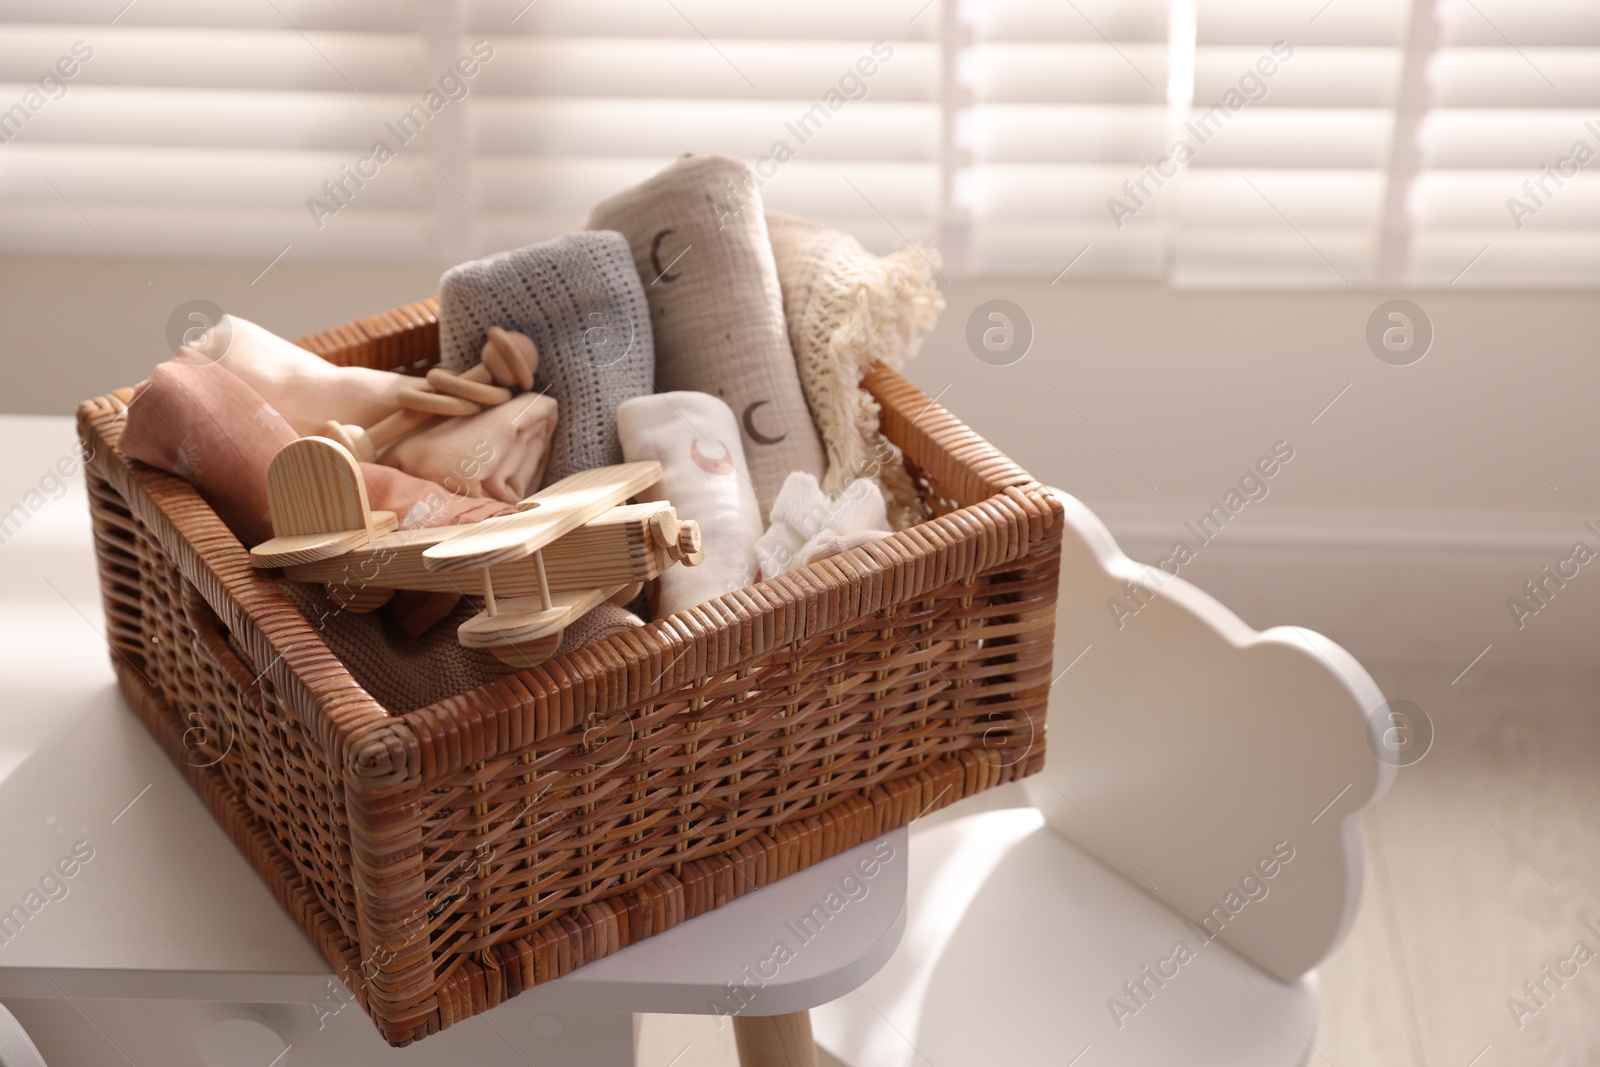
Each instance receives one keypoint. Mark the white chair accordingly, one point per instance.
(16, 1049)
(1162, 891)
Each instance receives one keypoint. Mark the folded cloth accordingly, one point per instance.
(700, 242)
(579, 298)
(602, 621)
(500, 452)
(211, 428)
(418, 610)
(845, 309)
(696, 439)
(418, 502)
(808, 525)
(831, 543)
(403, 671)
(305, 387)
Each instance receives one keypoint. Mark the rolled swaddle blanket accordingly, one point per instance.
(699, 240)
(212, 428)
(695, 438)
(498, 453)
(306, 388)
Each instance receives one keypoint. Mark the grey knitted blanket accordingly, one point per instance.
(580, 299)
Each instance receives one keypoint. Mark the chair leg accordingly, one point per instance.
(775, 1040)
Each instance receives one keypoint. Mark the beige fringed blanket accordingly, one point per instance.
(847, 308)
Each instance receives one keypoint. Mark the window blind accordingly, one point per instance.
(1516, 90)
(200, 130)
(584, 99)
(1207, 142)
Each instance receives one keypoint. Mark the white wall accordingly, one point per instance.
(1404, 522)
(71, 329)
(1414, 507)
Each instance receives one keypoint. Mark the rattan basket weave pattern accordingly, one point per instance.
(445, 859)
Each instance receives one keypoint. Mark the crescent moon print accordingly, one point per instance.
(709, 464)
(750, 430)
(655, 258)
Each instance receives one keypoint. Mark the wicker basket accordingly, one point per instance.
(446, 859)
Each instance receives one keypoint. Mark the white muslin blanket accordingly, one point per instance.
(695, 437)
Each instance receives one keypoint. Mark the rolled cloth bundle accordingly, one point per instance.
(700, 242)
(211, 428)
(695, 438)
(208, 426)
(579, 298)
(845, 309)
(498, 452)
(306, 388)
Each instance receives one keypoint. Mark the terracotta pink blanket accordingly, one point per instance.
(207, 426)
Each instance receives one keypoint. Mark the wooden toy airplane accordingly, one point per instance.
(568, 547)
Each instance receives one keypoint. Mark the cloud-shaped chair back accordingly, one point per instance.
(1220, 768)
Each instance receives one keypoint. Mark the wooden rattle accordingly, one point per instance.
(509, 360)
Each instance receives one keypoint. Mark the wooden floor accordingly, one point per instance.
(1483, 867)
(694, 1041)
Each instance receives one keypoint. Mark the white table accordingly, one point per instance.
(166, 948)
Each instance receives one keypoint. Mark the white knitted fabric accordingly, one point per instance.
(847, 308)
(808, 524)
(699, 239)
(16, 1048)
(579, 298)
(695, 438)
